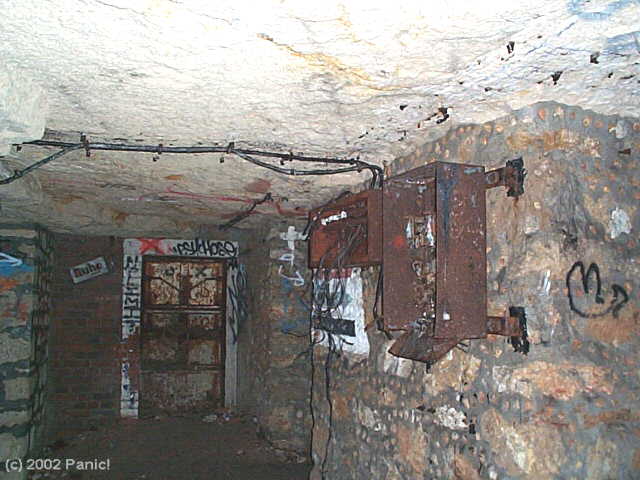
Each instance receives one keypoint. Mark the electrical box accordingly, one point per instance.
(347, 232)
(435, 267)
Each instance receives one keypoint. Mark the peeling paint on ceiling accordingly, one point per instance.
(368, 79)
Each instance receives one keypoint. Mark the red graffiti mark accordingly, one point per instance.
(399, 242)
(148, 244)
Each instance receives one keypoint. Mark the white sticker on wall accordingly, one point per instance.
(338, 311)
(88, 270)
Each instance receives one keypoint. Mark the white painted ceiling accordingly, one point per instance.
(332, 78)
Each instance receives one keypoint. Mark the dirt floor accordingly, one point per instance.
(216, 448)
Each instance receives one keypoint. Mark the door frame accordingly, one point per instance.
(220, 308)
(133, 251)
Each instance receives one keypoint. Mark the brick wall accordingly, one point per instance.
(569, 409)
(85, 337)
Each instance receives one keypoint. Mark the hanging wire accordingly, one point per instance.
(21, 173)
(351, 164)
(327, 297)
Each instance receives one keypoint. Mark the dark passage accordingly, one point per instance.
(179, 448)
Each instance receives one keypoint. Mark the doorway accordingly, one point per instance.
(182, 335)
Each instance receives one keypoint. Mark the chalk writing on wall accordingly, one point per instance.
(287, 269)
(295, 320)
(587, 286)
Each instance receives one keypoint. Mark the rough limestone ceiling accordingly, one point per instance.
(329, 78)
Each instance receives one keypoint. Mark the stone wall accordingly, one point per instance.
(25, 274)
(276, 338)
(569, 408)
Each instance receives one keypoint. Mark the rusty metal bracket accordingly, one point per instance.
(513, 325)
(511, 176)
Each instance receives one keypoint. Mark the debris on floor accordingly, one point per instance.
(220, 445)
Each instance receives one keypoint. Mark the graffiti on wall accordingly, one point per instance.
(237, 298)
(287, 269)
(10, 265)
(295, 320)
(338, 311)
(585, 294)
(134, 250)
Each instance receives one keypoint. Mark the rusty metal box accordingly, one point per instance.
(347, 232)
(434, 286)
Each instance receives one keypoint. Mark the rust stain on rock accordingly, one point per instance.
(341, 407)
(611, 417)
(174, 177)
(623, 331)
(636, 460)
(562, 139)
(464, 469)
(533, 449)
(412, 446)
(258, 186)
(560, 381)
(119, 217)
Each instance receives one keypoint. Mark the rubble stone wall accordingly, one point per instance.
(276, 338)
(25, 277)
(568, 252)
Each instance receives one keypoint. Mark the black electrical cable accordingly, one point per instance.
(21, 173)
(327, 384)
(326, 301)
(246, 213)
(246, 154)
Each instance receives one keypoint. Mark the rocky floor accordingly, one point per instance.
(213, 448)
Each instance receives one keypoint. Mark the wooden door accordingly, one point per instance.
(182, 335)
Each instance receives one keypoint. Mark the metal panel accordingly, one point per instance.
(461, 279)
(434, 258)
(197, 283)
(353, 221)
(409, 249)
(182, 335)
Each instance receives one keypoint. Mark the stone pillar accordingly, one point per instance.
(25, 266)
(277, 333)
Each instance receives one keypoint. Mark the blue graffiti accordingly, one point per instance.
(299, 324)
(8, 270)
(580, 8)
(625, 44)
